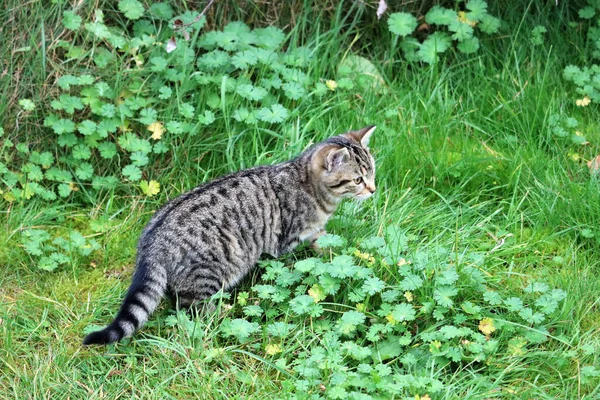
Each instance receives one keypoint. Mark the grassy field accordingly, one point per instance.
(469, 173)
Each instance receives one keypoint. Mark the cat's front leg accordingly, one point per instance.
(313, 241)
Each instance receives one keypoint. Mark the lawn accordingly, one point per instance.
(472, 273)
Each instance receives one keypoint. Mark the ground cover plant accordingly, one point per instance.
(472, 273)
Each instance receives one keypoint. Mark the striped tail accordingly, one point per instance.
(141, 300)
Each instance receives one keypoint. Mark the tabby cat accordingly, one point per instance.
(211, 237)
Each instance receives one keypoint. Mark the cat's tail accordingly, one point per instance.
(147, 288)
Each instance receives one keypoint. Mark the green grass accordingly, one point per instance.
(466, 161)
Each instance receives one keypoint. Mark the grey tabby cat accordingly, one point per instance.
(210, 238)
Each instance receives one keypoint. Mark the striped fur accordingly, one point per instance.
(208, 239)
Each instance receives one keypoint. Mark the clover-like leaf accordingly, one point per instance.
(251, 92)
(440, 16)
(87, 127)
(477, 9)
(403, 312)
(63, 126)
(489, 24)
(132, 173)
(402, 24)
(81, 152)
(150, 188)
(293, 90)
(443, 295)
(240, 328)
(164, 93)
(269, 37)
(132, 9)
(84, 171)
(276, 114)
(71, 20)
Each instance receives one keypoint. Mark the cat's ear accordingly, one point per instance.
(336, 156)
(361, 136)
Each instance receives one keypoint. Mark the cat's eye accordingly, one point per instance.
(358, 180)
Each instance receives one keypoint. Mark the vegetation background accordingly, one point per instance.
(473, 273)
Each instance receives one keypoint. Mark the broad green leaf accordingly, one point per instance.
(132, 173)
(402, 24)
(132, 9)
(71, 20)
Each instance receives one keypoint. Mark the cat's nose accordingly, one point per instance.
(371, 188)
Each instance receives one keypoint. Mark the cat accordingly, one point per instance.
(211, 237)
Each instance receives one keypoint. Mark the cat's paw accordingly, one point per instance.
(314, 245)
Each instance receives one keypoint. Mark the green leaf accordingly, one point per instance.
(373, 285)
(293, 90)
(468, 46)
(587, 12)
(98, 29)
(240, 328)
(546, 304)
(251, 92)
(245, 115)
(489, 24)
(64, 190)
(349, 321)
(532, 317)
(132, 173)
(160, 148)
(63, 126)
(27, 105)
(462, 31)
(162, 11)
(513, 304)
(536, 287)
(87, 127)
(71, 20)
(84, 171)
(47, 264)
(303, 304)
(213, 60)
(207, 118)
(410, 282)
(276, 114)
(269, 37)
(448, 277)
(81, 152)
(492, 297)
(331, 241)
(402, 24)
(148, 116)
(158, 64)
(108, 110)
(342, 266)
(477, 9)
(443, 295)
(372, 243)
(164, 93)
(244, 59)
(186, 110)
(440, 16)
(403, 312)
(132, 9)
(139, 159)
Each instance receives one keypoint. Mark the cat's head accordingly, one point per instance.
(344, 165)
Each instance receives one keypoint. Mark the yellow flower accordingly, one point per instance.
(317, 293)
(583, 102)
(331, 84)
(486, 326)
(272, 349)
(157, 130)
(408, 296)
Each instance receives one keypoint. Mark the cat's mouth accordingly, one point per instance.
(364, 196)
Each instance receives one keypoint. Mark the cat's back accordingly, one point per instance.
(243, 207)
